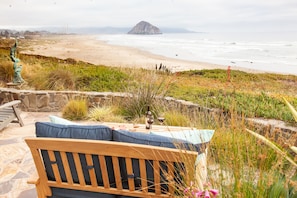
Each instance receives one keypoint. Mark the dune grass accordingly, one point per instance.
(105, 114)
(75, 109)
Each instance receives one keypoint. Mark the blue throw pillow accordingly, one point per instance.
(92, 132)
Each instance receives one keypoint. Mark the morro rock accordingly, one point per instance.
(144, 27)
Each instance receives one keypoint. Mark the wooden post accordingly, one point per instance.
(229, 74)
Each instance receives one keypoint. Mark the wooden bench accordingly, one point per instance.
(9, 113)
(74, 166)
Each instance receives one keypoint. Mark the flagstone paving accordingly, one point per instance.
(16, 164)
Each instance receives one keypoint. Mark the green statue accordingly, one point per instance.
(17, 78)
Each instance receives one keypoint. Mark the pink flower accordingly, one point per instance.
(199, 194)
(208, 193)
(186, 190)
(214, 192)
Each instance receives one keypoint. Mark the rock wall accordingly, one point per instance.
(54, 101)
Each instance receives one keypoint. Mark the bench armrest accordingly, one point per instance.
(33, 179)
(10, 104)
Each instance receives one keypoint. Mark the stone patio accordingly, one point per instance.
(16, 164)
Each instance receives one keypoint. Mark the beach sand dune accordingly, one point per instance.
(88, 49)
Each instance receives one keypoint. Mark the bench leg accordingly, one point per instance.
(43, 191)
(17, 114)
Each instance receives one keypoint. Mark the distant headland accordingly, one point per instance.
(144, 27)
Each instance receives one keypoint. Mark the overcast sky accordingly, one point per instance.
(197, 15)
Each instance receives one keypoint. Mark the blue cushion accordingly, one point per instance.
(95, 132)
(68, 193)
(153, 140)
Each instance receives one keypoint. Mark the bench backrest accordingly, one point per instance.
(110, 167)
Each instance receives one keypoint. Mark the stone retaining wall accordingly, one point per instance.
(54, 101)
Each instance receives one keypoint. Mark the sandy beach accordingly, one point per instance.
(88, 49)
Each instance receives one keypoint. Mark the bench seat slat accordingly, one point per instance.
(130, 174)
(157, 185)
(5, 121)
(117, 173)
(91, 170)
(143, 175)
(104, 171)
(66, 168)
(79, 169)
(55, 166)
(171, 177)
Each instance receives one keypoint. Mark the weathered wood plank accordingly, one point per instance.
(9, 113)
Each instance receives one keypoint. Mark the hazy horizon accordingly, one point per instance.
(194, 15)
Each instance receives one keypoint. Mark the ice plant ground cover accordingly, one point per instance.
(289, 171)
(272, 144)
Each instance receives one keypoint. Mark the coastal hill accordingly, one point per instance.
(144, 27)
(6, 33)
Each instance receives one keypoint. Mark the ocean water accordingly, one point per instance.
(271, 52)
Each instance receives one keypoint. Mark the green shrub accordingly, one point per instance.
(105, 114)
(144, 91)
(250, 104)
(175, 118)
(75, 110)
(99, 78)
(60, 79)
